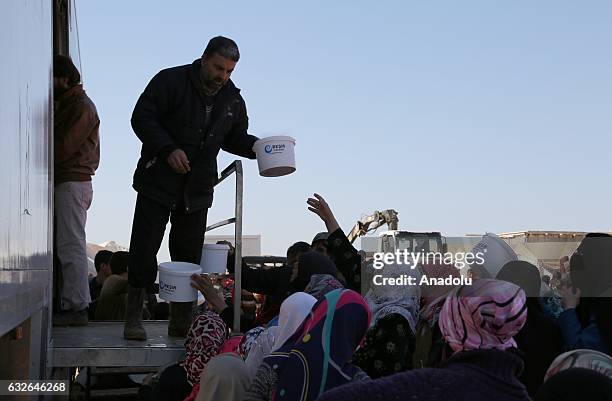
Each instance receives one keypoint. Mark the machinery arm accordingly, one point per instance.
(372, 222)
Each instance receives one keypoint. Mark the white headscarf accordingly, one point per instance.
(293, 311)
(224, 379)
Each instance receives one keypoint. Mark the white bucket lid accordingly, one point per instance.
(223, 247)
(275, 139)
(180, 268)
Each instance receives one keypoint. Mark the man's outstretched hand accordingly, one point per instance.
(178, 161)
(318, 206)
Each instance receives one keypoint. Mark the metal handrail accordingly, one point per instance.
(235, 167)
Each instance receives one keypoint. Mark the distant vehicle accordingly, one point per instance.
(393, 239)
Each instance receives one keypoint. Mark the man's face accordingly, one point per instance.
(60, 85)
(216, 71)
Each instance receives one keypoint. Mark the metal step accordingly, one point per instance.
(115, 392)
(101, 344)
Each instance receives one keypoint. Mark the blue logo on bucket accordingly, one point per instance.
(273, 149)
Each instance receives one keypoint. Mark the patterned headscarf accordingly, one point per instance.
(402, 300)
(316, 358)
(204, 339)
(581, 358)
(248, 340)
(321, 284)
(261, 348)
(484, 315)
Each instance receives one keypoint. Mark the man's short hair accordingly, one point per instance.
(295, 249)
(103, 256)
(63, 67)
(224, 47)
(119, 262)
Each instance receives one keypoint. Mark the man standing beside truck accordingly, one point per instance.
(185, 115)
(76, 146)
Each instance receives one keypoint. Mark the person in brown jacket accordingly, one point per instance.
(77, 154)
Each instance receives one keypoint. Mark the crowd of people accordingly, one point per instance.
(510, 335)
(316, 337)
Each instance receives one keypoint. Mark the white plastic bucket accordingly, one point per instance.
(175, 281)
(496, 253)
(275, 156)
(214, 258)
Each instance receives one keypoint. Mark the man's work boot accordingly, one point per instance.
(181, 314)
(133, 328)
(70, 318)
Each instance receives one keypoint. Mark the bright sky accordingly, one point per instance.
(465, 117)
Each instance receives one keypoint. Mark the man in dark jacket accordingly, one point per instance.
(76, 146)
(185, 115)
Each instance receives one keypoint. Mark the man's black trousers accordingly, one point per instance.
(150, 220)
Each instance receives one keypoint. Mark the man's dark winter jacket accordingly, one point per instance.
(170, 114)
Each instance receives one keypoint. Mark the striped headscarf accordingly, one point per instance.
(484, 315)
(316, 358)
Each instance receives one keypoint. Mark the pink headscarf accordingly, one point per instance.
(484, 315)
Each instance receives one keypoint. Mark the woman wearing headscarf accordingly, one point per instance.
(248, 341)
(581, 358)
(539, 339)
(293, 311)
(204, 340)
(390, 340)
(310, 264)
(278, 284)
(321, 284)
(581, 374)
(317, 356)
(225, 378)
(478, 323)
(576, 384)
(430, 348)
(587, 321)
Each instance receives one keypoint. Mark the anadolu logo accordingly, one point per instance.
(274, 148)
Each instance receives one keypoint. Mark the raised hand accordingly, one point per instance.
(319, 206)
